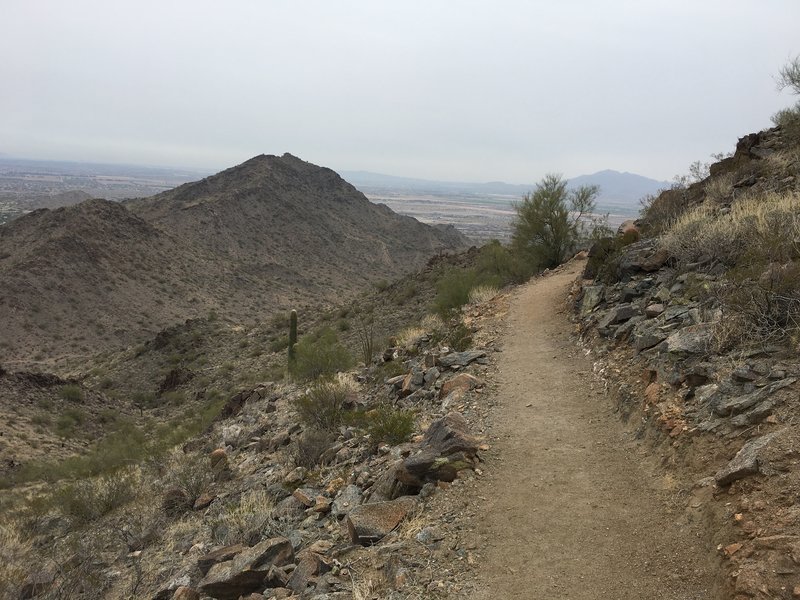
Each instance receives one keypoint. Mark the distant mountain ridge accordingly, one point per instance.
(266, 235)
(617, 189)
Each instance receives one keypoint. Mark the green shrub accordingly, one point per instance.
(71, 393)
(452, 291)
(326, 405)
(279, 344)
(319, 356)
(390, 425)
(68, 421)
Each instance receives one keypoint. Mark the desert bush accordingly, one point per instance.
(498, 265)
(452, 291)
(190, 473)
(68, 421)
(247, 521)
(71, 393)
(365, 332)
(760, 305)
(550, 220)
(325, 405)
(390, 425)
(319, 356)
(279, 344)
(309, 448)
(88, 500)
(405, 293)
(458, 336)
(605, 254)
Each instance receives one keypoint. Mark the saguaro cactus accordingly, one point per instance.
(292, 334)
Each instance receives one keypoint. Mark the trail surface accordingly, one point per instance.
(573, 508)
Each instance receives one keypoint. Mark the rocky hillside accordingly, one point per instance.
(695, 328)
(271, 233)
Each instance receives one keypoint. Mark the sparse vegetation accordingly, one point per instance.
(319, 355)
(71, 393)
(389, 425)
(326, 404)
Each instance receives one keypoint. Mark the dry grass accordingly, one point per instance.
(719, 190)
(411, 335)
(14, 552)
(248, 521)
(757, 229)
(482, 293)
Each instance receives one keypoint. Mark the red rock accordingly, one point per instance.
(369, 523)
(462, 382)
(203, 501)
(185, 593)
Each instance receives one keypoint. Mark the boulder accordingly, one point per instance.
(618, 314)
(249, 570)
(186, 593)
(309, 566)
(732, 406)
(694, 339)
(460, 359)
(647, 334)
(223, 554)
(347, 500)
(592, 297)
(462, 382)
(369, 523)
(746, 461)
(653, 310)
(446, 448)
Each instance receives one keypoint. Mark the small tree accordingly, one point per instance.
(789, 77)
(549, 221)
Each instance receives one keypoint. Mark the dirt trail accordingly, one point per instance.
(572, 507)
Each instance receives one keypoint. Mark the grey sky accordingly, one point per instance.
(475, 91)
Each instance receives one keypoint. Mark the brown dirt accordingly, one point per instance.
(571, 505)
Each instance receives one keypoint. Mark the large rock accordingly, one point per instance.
(647, 334)
(446, 448)
(694, 339)
(310, 565)
(460, 359)
(369, 523)
(248, 571)
(746, 461)
(592, 297)
(618, 314)
(347, 500)
(226, 553)
(463, 382)
(732, 406)
(642, 256)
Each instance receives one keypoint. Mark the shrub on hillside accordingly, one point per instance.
(389, 425)
(452, 291)
(326, 404)
(319, 356)
(88, 500)
(310, 447)
(71, 393)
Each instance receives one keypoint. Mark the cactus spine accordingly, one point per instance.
(292, 334)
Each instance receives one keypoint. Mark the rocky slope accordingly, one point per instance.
(695, 333)
(272, 232)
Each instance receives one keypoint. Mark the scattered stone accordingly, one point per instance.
(463, 382)
(653, 310)
(369, 523)
(347, 500)
(592, 297)
(186, 593)
(745, 463)
(248, 570)
(225, 553)
(460, 359)
(694, 339)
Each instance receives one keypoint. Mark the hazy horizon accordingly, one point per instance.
(490, 92)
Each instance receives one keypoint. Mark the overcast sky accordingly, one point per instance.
(473, 91)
